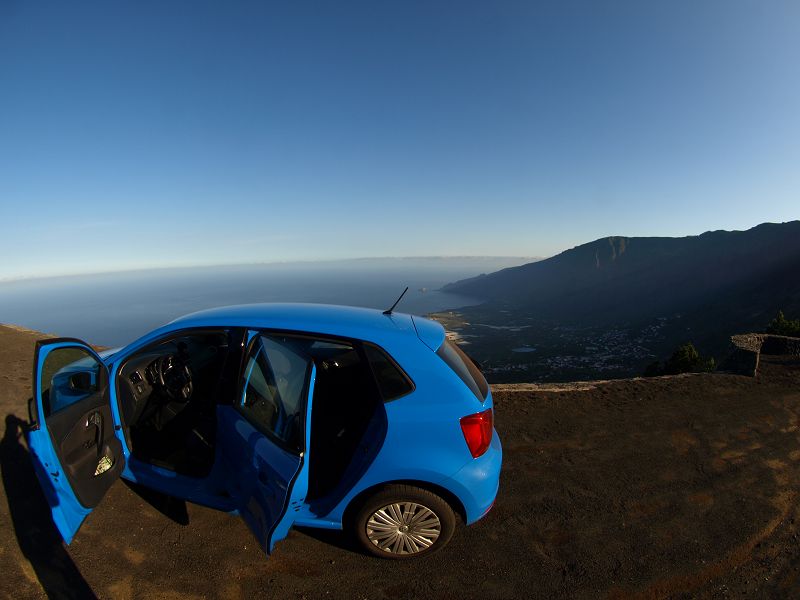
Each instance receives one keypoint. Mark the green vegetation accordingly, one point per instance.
(780, 325)
(686, 359)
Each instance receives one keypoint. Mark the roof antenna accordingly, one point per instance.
(388, 312)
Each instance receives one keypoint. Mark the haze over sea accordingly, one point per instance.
(113, 309)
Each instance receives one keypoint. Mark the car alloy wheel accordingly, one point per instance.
(404, 528)
(403, 521)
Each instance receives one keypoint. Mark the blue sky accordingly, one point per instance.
(138, 134)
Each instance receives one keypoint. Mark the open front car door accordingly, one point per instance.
(75, 451)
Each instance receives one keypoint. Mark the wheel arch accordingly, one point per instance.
(447, 495)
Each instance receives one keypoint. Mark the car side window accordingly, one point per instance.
(392, 382)
(69, 375)
(274, 388)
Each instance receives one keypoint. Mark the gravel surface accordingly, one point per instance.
(665, 487)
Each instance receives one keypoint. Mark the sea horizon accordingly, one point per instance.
(114, 308)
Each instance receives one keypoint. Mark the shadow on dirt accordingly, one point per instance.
(332, 537)
(169, 506)
(37, 536)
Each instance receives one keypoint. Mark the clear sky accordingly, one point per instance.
(153, 133)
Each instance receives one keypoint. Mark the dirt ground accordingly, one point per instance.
(671, 487)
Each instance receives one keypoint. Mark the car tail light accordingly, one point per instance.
(477, 430)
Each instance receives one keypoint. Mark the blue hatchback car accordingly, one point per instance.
(285, 414)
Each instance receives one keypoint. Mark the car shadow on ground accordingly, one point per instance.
(37, 536)
(332, 537)
(169, 506)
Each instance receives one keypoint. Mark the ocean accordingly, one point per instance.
(113, 309)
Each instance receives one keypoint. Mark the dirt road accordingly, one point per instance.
(673, 487)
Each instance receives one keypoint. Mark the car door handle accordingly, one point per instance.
(96, 419)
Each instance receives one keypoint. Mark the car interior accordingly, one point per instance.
(169, 392)
(346, 398)
(168, 395)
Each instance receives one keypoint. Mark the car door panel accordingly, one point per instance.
(85, 436)
(268, 478)
(75, 450)
(264, 478)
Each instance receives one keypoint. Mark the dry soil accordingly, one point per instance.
(671, 487)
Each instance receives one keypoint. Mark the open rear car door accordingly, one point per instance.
(267, 433)
(75, 451)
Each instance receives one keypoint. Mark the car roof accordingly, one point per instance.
(343, 321)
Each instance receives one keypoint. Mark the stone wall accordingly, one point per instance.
(747, 348)
(780, 344)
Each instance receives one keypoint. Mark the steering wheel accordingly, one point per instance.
(174, 377)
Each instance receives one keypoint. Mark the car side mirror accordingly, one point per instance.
(82, 382)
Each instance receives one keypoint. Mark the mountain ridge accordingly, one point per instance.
(630, 278)
(612, 306)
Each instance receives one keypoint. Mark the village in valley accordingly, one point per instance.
(515, 348)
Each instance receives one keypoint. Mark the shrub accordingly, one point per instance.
(780, 325)
(685, 359)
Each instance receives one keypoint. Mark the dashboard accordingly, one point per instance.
(136, 385)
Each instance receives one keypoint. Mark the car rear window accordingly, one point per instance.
(465, 368)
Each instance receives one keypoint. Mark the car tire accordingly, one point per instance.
(403, 521)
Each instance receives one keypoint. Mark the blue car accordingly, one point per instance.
(285, 414)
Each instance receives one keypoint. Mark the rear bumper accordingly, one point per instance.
(476, 484)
